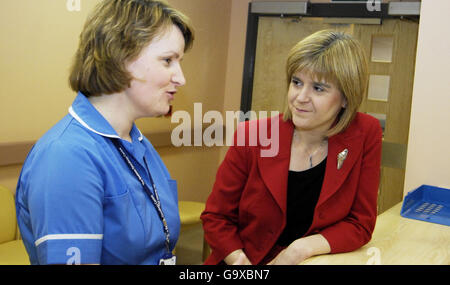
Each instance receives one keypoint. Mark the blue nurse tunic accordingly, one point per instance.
(78, 202)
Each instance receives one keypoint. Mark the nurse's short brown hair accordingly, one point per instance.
(334, 57)
(115, 33)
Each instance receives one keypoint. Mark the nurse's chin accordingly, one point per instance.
(164, 112)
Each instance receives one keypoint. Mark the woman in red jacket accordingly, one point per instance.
(318, 195)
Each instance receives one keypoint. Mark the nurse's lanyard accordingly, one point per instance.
(153, 198)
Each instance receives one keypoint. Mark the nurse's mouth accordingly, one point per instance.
(171, 94)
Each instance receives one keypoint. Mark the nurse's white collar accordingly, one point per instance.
(84, 124)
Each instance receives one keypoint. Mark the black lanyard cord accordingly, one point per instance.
(154, 198)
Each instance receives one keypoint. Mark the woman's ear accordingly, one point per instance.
(344, 103)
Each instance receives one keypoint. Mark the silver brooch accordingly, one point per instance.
(341, 158)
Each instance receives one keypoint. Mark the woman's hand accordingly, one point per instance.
(295, 253)
(302, 249)
(237, 257)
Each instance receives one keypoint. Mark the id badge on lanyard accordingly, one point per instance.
(168, 258)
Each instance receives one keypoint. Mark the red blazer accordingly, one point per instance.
(247, 207)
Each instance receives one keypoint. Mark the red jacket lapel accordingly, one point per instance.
(351, 139)
(274, 170)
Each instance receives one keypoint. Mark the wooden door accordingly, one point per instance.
(391, 48)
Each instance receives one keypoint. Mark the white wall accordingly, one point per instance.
(428, 158)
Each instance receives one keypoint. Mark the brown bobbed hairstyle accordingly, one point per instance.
(333, 57)
(115, 33)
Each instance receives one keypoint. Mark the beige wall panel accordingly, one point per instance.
(38, 41)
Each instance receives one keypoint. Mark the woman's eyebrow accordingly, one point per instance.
(322, 84)
(171, 53)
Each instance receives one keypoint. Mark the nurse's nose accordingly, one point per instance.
(178, 76)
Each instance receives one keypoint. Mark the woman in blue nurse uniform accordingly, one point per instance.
(93, 190)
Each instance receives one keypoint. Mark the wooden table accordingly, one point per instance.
(397, 241)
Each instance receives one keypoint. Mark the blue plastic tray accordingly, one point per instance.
(428, 203)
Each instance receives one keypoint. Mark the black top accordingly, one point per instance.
(302, 195)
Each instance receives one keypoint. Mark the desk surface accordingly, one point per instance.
(397, 241)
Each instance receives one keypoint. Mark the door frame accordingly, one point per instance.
(320, 10)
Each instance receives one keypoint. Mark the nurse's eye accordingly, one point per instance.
(167, 60)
